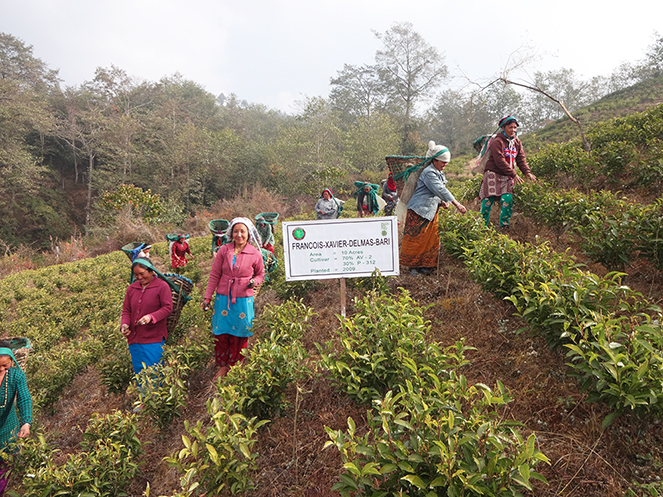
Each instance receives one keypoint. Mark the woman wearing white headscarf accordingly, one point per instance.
(421, 239)
(236, 271)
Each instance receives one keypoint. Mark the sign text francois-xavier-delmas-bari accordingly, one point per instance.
(340, 248)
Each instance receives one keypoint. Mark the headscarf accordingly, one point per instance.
(439, 152)
(146, 263)
(8, 351)
(254, 236)
(391, 184)
(373, 205)
(506, 120)
(328, 190)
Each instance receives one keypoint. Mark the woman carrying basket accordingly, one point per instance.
(500, 174)
(147, 303)
(421, 239)
(179, 250)
(236, 272)
(14, 394)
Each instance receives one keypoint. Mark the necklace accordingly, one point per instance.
(5, 380)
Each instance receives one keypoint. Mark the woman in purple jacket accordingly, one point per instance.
(147, 304)
(236, 271)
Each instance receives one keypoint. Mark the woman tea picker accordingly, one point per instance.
(367, 199)
(236, 271)
(14, 395)
(327, 206)
(147, 303)
(421, 239)
(500, 174)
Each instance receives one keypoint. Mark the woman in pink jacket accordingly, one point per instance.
(236, 271)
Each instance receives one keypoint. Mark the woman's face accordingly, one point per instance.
(325, 195)
(240, 234)
(510, 129)
(142, 274)
(5, 363)
(439, 165)
(367, 188)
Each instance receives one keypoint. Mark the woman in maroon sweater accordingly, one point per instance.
(506, 152)
(236, 271)
(147, 304)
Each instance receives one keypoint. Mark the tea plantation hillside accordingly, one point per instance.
(529, 363)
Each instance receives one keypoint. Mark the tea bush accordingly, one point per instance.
(277, 360)
(445, 440)
(107, 466)
(382, 346)
(217, 459)
(613, 343)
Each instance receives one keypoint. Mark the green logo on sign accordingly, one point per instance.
(299, 234)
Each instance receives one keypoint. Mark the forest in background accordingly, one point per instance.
(64, 151)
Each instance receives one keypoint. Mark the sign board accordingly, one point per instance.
(340, 248)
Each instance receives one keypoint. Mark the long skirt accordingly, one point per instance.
(421, 241)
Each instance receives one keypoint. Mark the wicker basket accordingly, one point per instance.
(218, 227)
(132, 249)
(269, 217)
(185, 285)
(20, 347)
(173, 237)
(397, 164)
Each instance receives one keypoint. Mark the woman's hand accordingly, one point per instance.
(146, 319)
(205, 305)
(24, 431)
(124, 329)
(518, 180)
(251, 283)
(460, 207)
(530, 177)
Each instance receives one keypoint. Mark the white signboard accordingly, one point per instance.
(340, 248)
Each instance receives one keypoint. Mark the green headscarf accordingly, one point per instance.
(148, 264)
(8, 351)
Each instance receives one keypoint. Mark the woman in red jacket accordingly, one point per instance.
(147, 303)
(236, 271)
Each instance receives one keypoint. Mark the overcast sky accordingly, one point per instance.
(276, 52)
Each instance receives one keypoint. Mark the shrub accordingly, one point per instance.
(217, 459)
(446, 440)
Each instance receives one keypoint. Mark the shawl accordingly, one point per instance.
(254, 236)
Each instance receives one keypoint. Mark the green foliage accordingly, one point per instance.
(448, 439)
(106, 468)
(217, 459)
(144, 204)
(163, 392)
(277, 360)
(383, 346)
(613, 344)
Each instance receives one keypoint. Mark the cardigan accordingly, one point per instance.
(156, 299)
(225, 279)
(15, 385)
